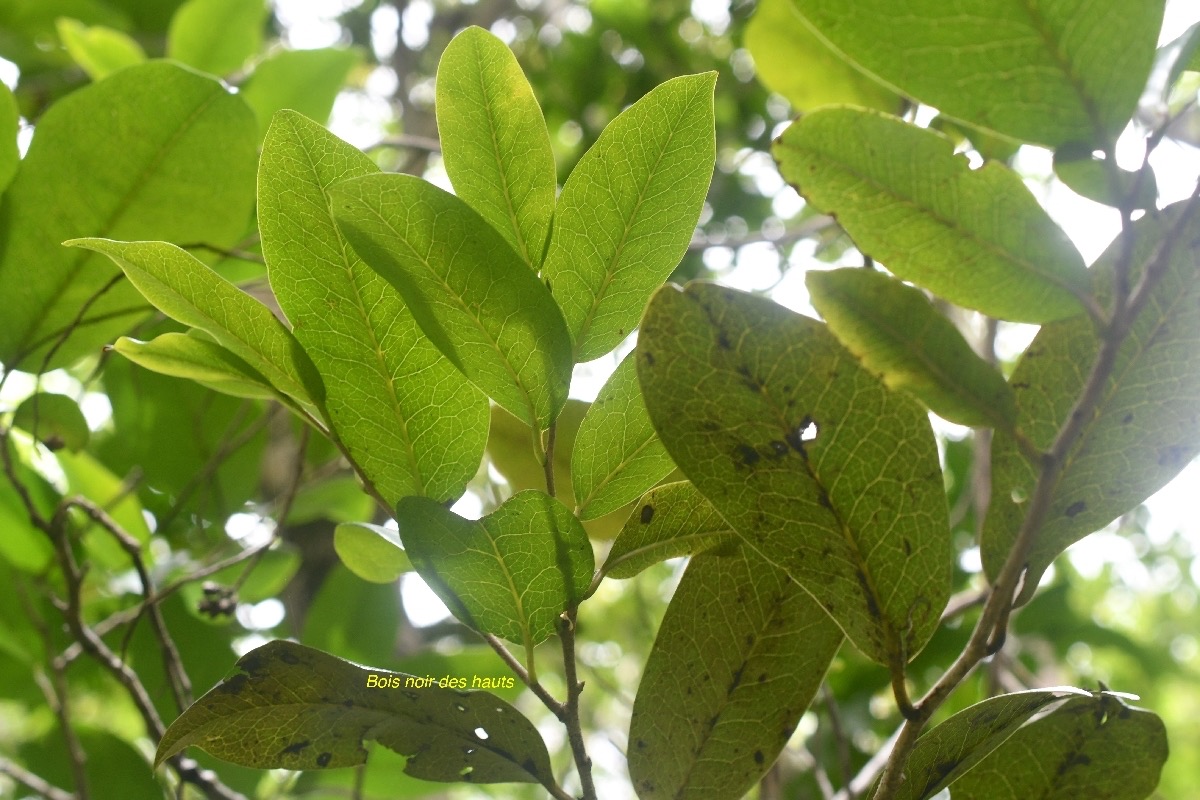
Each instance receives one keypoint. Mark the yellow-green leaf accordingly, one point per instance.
(410, 420)
(305, 81)
(617, 455)
(1042, 71)
(494, 140)
(184, 355)
(371, 552)
(976, 237)
(467, 288)
(792, 60)
(897, 332)
(628, 211)
(511, 573)
(672, 520)
(54, 420)
(190, 292)
(98, 50)
(216, 36)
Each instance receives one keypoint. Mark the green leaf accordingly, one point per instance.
(369, 635)
(617, 455)
(494, 140)
(410, 420)
(628, 211)
(672, 520)
(1095, 747)
(1042, 71)
(976, 237)
(216, 36)
(269, 576)
(55, 420)
(371, 552)
(288, 706)
(897, 332)
(188, 291)
(306, 81)
(22, 545)
(947, 752)
(510, 573)
(818, 467)
(99, 51)
(510, 452)
(183, 173)
(469, 291)
(10, 124)
(793, 61)
(183, 355)
(740, 654)
(1096, 179)
(1145, 428)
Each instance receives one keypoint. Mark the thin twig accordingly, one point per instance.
(548, 700)
(989, 633)
(37, 784)
(583, 763)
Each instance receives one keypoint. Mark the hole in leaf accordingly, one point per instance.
(808, 430)
(481, 733)
(465, 771)
(1019, 495)
(460, 706)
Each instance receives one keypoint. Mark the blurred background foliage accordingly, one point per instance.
(212, 476)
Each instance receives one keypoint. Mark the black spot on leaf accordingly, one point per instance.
(647, 514)
(723, 340)
(235, 684)
(1128, 418)
(649, 358)
(295, 747)
(780, 448)
(1078, 507)
(907, 547)
(288, 658)
(759, 758)
(747, 454)
(324, 759)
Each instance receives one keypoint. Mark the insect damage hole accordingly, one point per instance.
(481, 733)
(803, 434)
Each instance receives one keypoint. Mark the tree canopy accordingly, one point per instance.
(726, 372)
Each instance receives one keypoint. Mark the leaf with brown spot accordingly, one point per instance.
(293, 707)
(703, 729)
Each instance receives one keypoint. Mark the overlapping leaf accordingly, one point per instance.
(950, 750)
(305, 81)
(494, 140)
(1146, 427)
(99, 51)
(617, 455)
(410, 420)
(628, 211)
(467, 288)
(54, 420)
(792, 60)
(188, 356)
(10, 119)
(292, 707)
(818, 467)
(976, 237)
(672, 520)
(740, 654)
(371, 552)
(511, 573)
(189, 292)
(1042, 71)
(184, 173)
(216, 36)
(1094, 747)
(896, 332)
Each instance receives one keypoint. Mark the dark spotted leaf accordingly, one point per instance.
(1146, 427)
(1095, 747)
(819, 469)
(948, 751)
(740, 654)
(671, 521)
(287, 706)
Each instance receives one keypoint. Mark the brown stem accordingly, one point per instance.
(566, 632)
